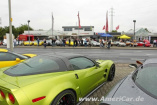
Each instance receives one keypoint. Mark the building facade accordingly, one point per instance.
(84, 31)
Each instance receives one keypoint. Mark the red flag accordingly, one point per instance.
(117, 27)
(79, 20)
(107, 21)
(103, 27)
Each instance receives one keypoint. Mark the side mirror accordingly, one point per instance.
(97, 64)
(138, 62)
(18, 60)
(133, 65)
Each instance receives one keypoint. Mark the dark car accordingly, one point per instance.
(138, 88)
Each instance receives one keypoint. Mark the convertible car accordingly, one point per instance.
(9, 58)
(138, 88)
(53, 79)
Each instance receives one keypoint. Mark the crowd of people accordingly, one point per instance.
(77, 42)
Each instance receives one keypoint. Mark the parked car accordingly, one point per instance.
(49, 42)
(54, 79)
(128, 43)
(133, 44)
(27, 43)
(58, 42)
(40, 43)
(10, 58)
(19, 43)
(71, 43)
(146, 43)
(95, 43)
(121, 44)
(140, 44)
(138, 88)
(116, 43)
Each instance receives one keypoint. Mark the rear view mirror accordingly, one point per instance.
(18, 60)
(133, 65)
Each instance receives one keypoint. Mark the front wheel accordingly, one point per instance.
(111, 73)
(66, 97)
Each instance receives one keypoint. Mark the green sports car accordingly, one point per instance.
(53, 79)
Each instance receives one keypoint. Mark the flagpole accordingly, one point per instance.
(52, 24)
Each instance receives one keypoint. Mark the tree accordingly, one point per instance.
(22, 28)
(147, 30)
(114, 31)
(16, 31)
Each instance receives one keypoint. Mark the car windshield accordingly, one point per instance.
(146, 79)
(36, 65)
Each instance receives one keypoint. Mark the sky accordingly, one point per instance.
(92, 13)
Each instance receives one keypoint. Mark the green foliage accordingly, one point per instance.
(114, 31)
(147, 30)
(16, 31)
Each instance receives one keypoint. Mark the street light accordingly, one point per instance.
(134, 29)
(10, 26)
(28, 31)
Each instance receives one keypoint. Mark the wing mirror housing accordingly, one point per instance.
(138, 62)
(133, 65)
(18, 60)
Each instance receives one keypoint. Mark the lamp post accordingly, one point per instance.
(134, 29)
(28, 31)
(10, 27)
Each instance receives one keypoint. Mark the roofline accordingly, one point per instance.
(77, 26)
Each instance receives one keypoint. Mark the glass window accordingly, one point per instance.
(146, 78)
(81, 63)
(78, 28)
(36, 65)
(5, 56)
(67, 29)
(88, 29)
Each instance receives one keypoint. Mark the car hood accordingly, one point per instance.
(21, 81)
(127, 89)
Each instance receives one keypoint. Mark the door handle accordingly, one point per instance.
(76, 76)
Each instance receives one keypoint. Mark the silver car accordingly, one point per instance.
(138, 88)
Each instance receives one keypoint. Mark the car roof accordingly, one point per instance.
(3, 50)
(62, 55)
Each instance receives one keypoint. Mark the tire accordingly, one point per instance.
(66, 97)
(111, 73)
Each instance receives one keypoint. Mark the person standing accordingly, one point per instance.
(154, 43)
(81, 42)
(75, 42)
(69, 42)
(109, 44)
(85, 42)
(44, 43)
(63, 41)
(90, 43)
(38, 40)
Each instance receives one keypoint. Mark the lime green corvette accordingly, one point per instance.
(54, 79)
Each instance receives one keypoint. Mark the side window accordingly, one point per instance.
(81, 63)
(7, 57)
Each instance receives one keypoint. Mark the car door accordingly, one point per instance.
(86, 72)
(8, 59)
